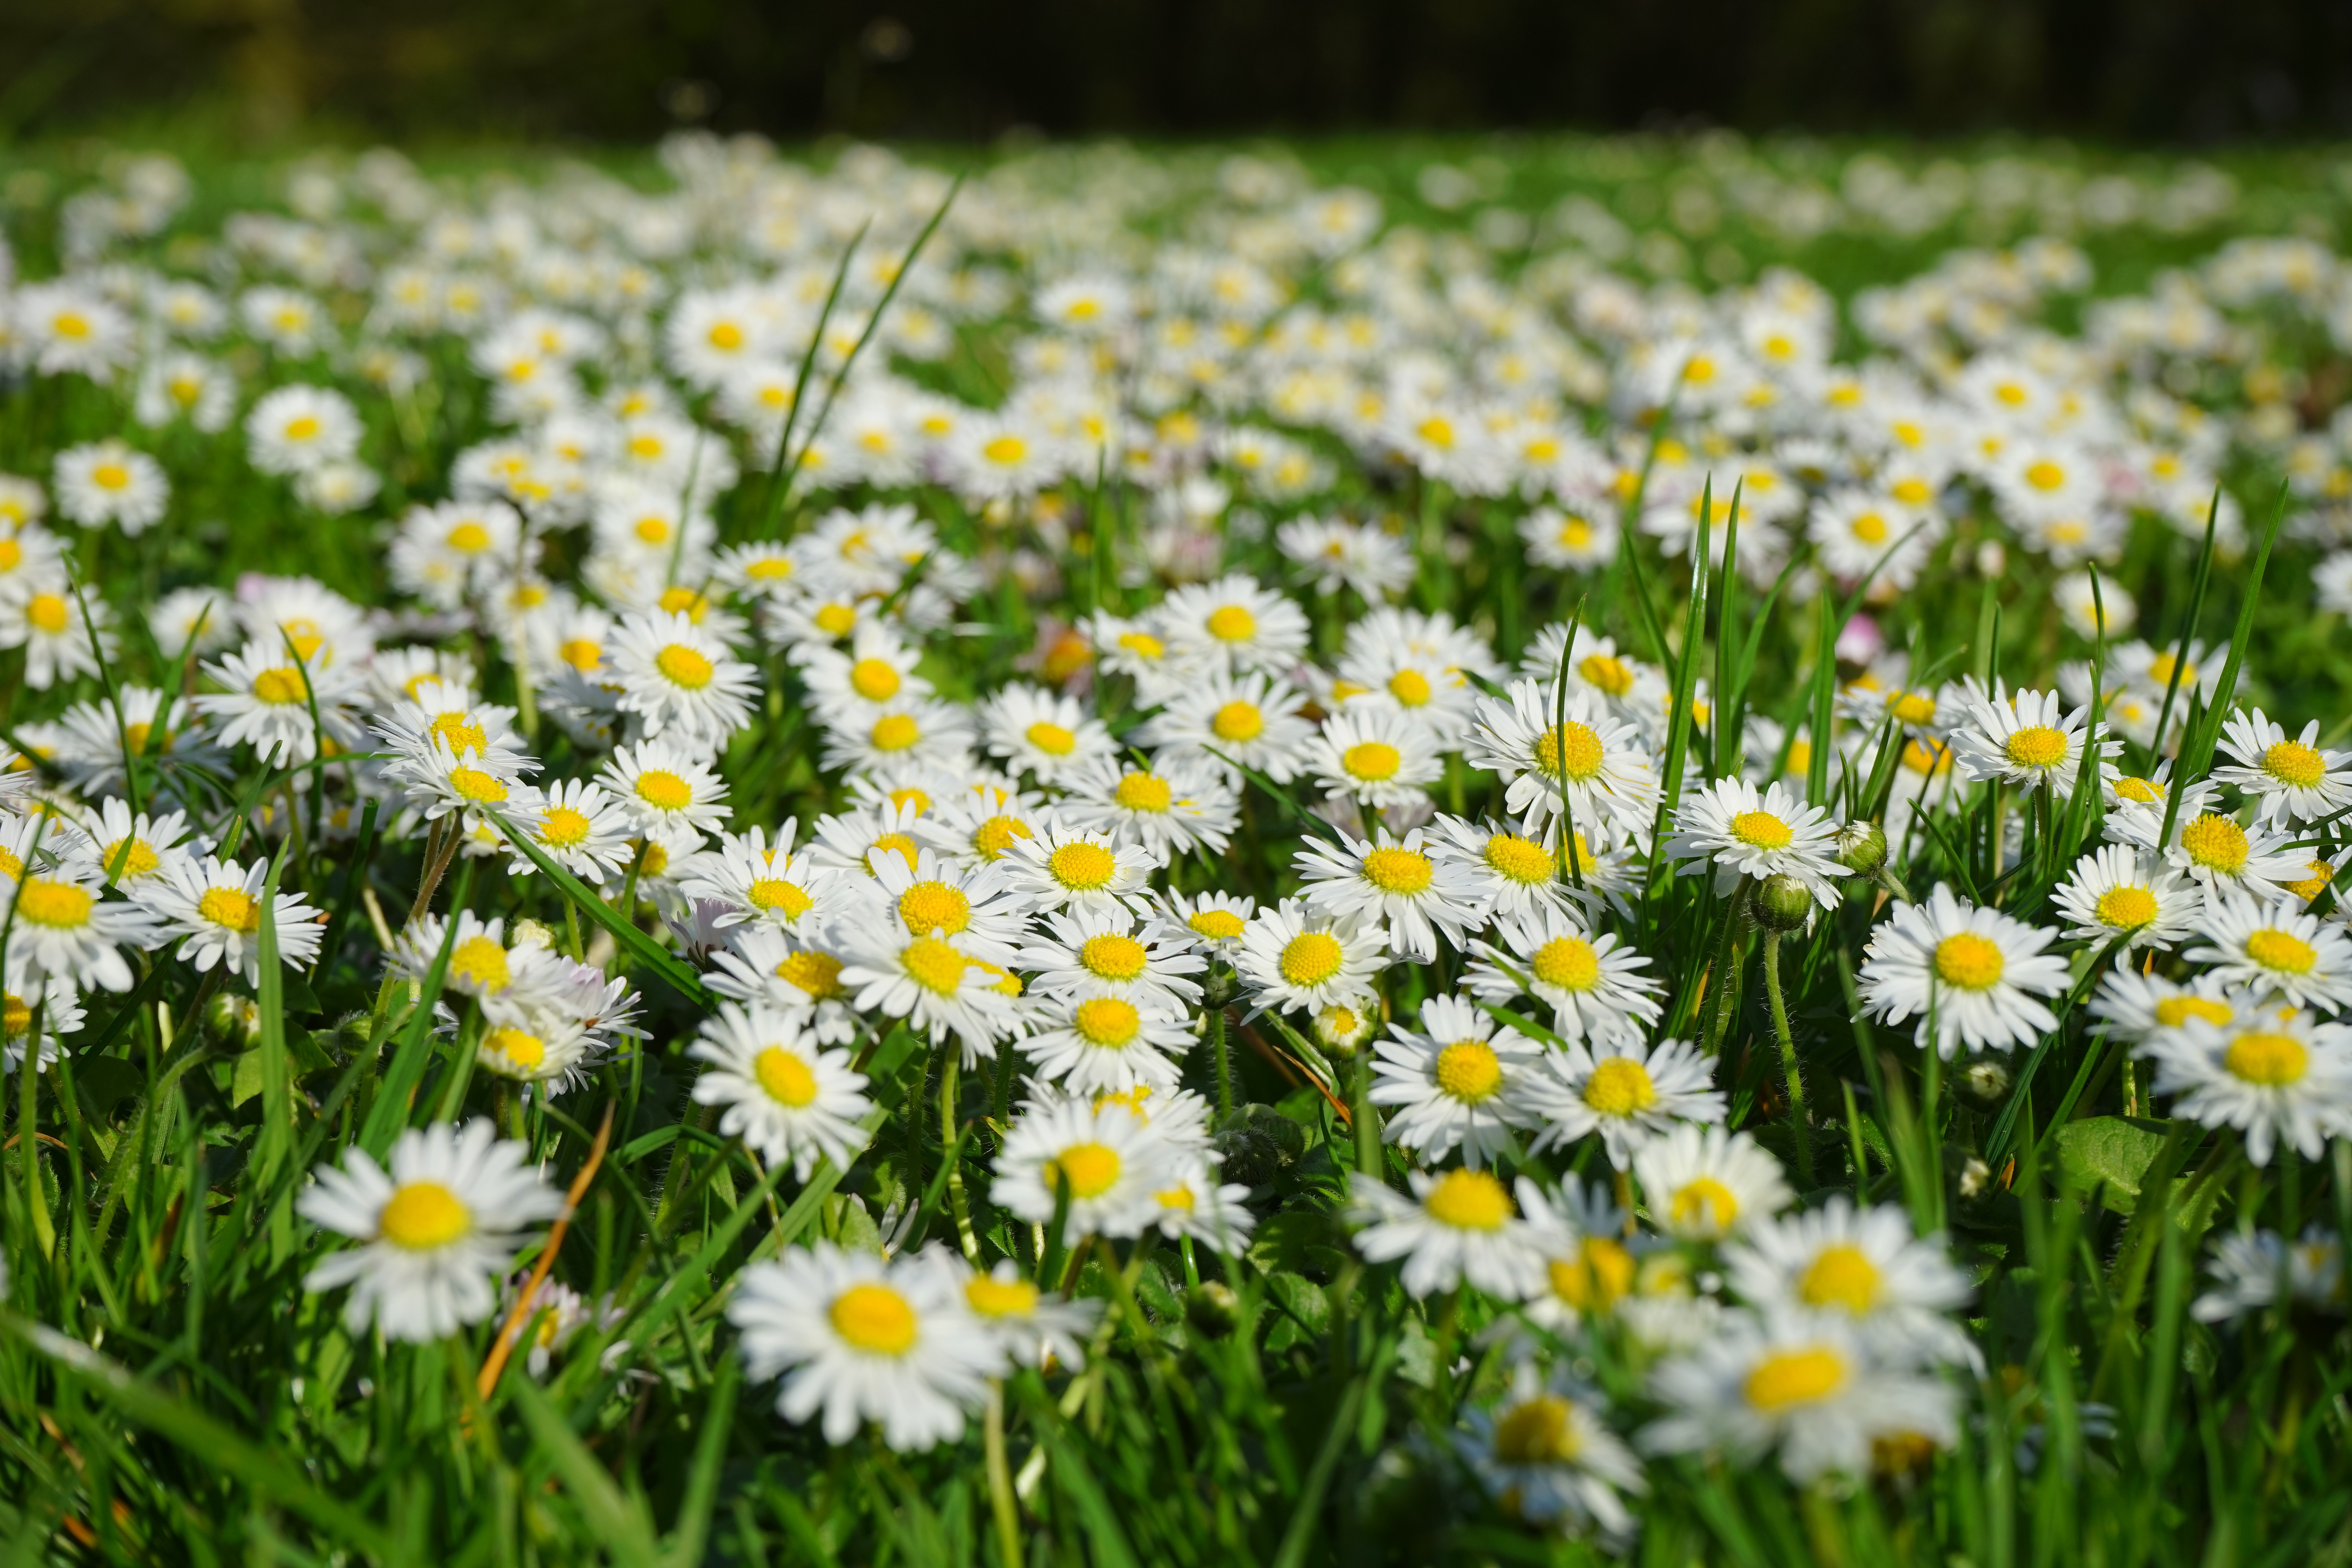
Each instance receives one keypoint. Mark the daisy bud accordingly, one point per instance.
(1213, 1307)
(232, 1021)
(1781, 902)
(1984, 1082)
(1862, 848)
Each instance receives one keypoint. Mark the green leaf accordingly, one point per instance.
(619, 1522)
(389, 1112)
(2112, 1151)
(641, 948)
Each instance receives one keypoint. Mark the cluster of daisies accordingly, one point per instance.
(689, 564)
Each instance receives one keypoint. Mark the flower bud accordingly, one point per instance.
(232, 1021)
(1782, 902)
(1862, 848)
(1211, 1308)
(1984, 1082)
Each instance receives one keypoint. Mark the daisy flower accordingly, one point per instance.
(2135, 1004)
(1375, 757)
(910, 732)
(1236, 721)
(858, 1338)
(1295, 959)
(767, 966)
(1703, 1183)
(1216, 920)
(1629, 1093)
(1029, 1327)
(109, 483)
(2266, 947)
(2026, 739)
(268, 698)
(661, 784)
(1975, 973)
(933, 985)
(440, 784)
(1514, 869)
(787, 1097)
(1105, 1161)
(1803, 1383)
(1545, 1450)
(295, 429)
(60, 1014)
(2216, 851)
(2115, 891)
(1199, 1207)
(1094, 1045)
(2274, 1073)
(2250, 1270)
(130, 848)
(1582, 759)
(975, 826)
(2290, 781)
(214, 906)
(1397, 881)
(1592, 984)
(1114, 953)
(438, 1229)
(1898, 1289)
(1745, 832)
(1577, 541)
(1461, 1084)
(877, 670)
(1459, 1224)
(1077, 869)
(1589, 1266)
(62, 930)
(1044, 736)
(1234, 623)
(60, 642)
(582, 829)
(680, 680)
(546, 1049)
(758, 882)
(508, 982)
(1170, 806)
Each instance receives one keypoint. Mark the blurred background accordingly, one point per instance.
(2189, 72)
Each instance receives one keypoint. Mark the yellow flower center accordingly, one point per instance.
(15, 1015)
(1083, 1170)
(1763, 830)
(1540, 1432)
(462, 734)
(230, 907)
(469, 539)
(1572, 751)
(934, 965)
(835, 620)
(69, 324)
(1371, 760)
(1398, 870)
(1143, 644)
(563, 827)
(1468, 1200)
(48, 612)
(2279, 951)
(929, 908)
(788, 1079)
(664, 790)
(1597, 1278)
(424, 1216)
(281, 686)
(2036, 746)
(2045, 475)
(1106, 1021)
(1608, 672)
(874, 680)
(61, 906)
(481, 962)
(994, 1297)
(895, 732)
(1968, 961)
(1520, 859)
(126, 859)
(1410, 687)
(2216, 843)
(1217, 925)
(583, 654)
(682, 666)
(1311, 957)
(2270, 1060)
(1238, 720)
(2296, 766)
(1703, 1204)
(724, 336)
(1006, 449)
(521, 1047)
(776, 893)
(1870, 528)
(1232, 623)
(898, 843)
(997, 834)
(2127, 908)
(874, 1319)
(817, 973)
(111, 476)
(1082, 866)
(1052, 739)
(1469, 1070)
(1913, 708)
(1112, 956)
(1620, 1087)
(1795, 1377)
(1567, 962)
(2175, 1010)
(476, 785)
(1841, 1277)
(1144, 792)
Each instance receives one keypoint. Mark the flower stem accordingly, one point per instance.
(1788, 1055)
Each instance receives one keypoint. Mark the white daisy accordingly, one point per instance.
(680, 680)
(1975, 973)
(1743, 832)
(1107, 1163)
(582, 829)
(765, 965)
(1583, 758)
(2275, 1074)
(216, 908)
(1629, 1093)
(268, 698)
(2268, 947)
(1546, 1452)
(1399, 882)
(438, 1229)
(1376, 757)
(2251, 1273)
(63, 930)
(1171, 807)
(109, 482)
(1093, 1044)
(789, 1097)
(756, 880)
(1115, 953)
(1234, 624)
(2215, 850)
(1900, 1291)
(2115, 893)
(1077, 869)
(2291, 780)
(1216, 920)
(2025, 739)
(1295, 959)
(1044, 736)
(1031, 1328)
(1589, 1263)
(1459, 1224)
(1592, 984)
(1236, 721)
(1703, 1183)
(661, 784)
(937, 988)
(1461, 1084)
